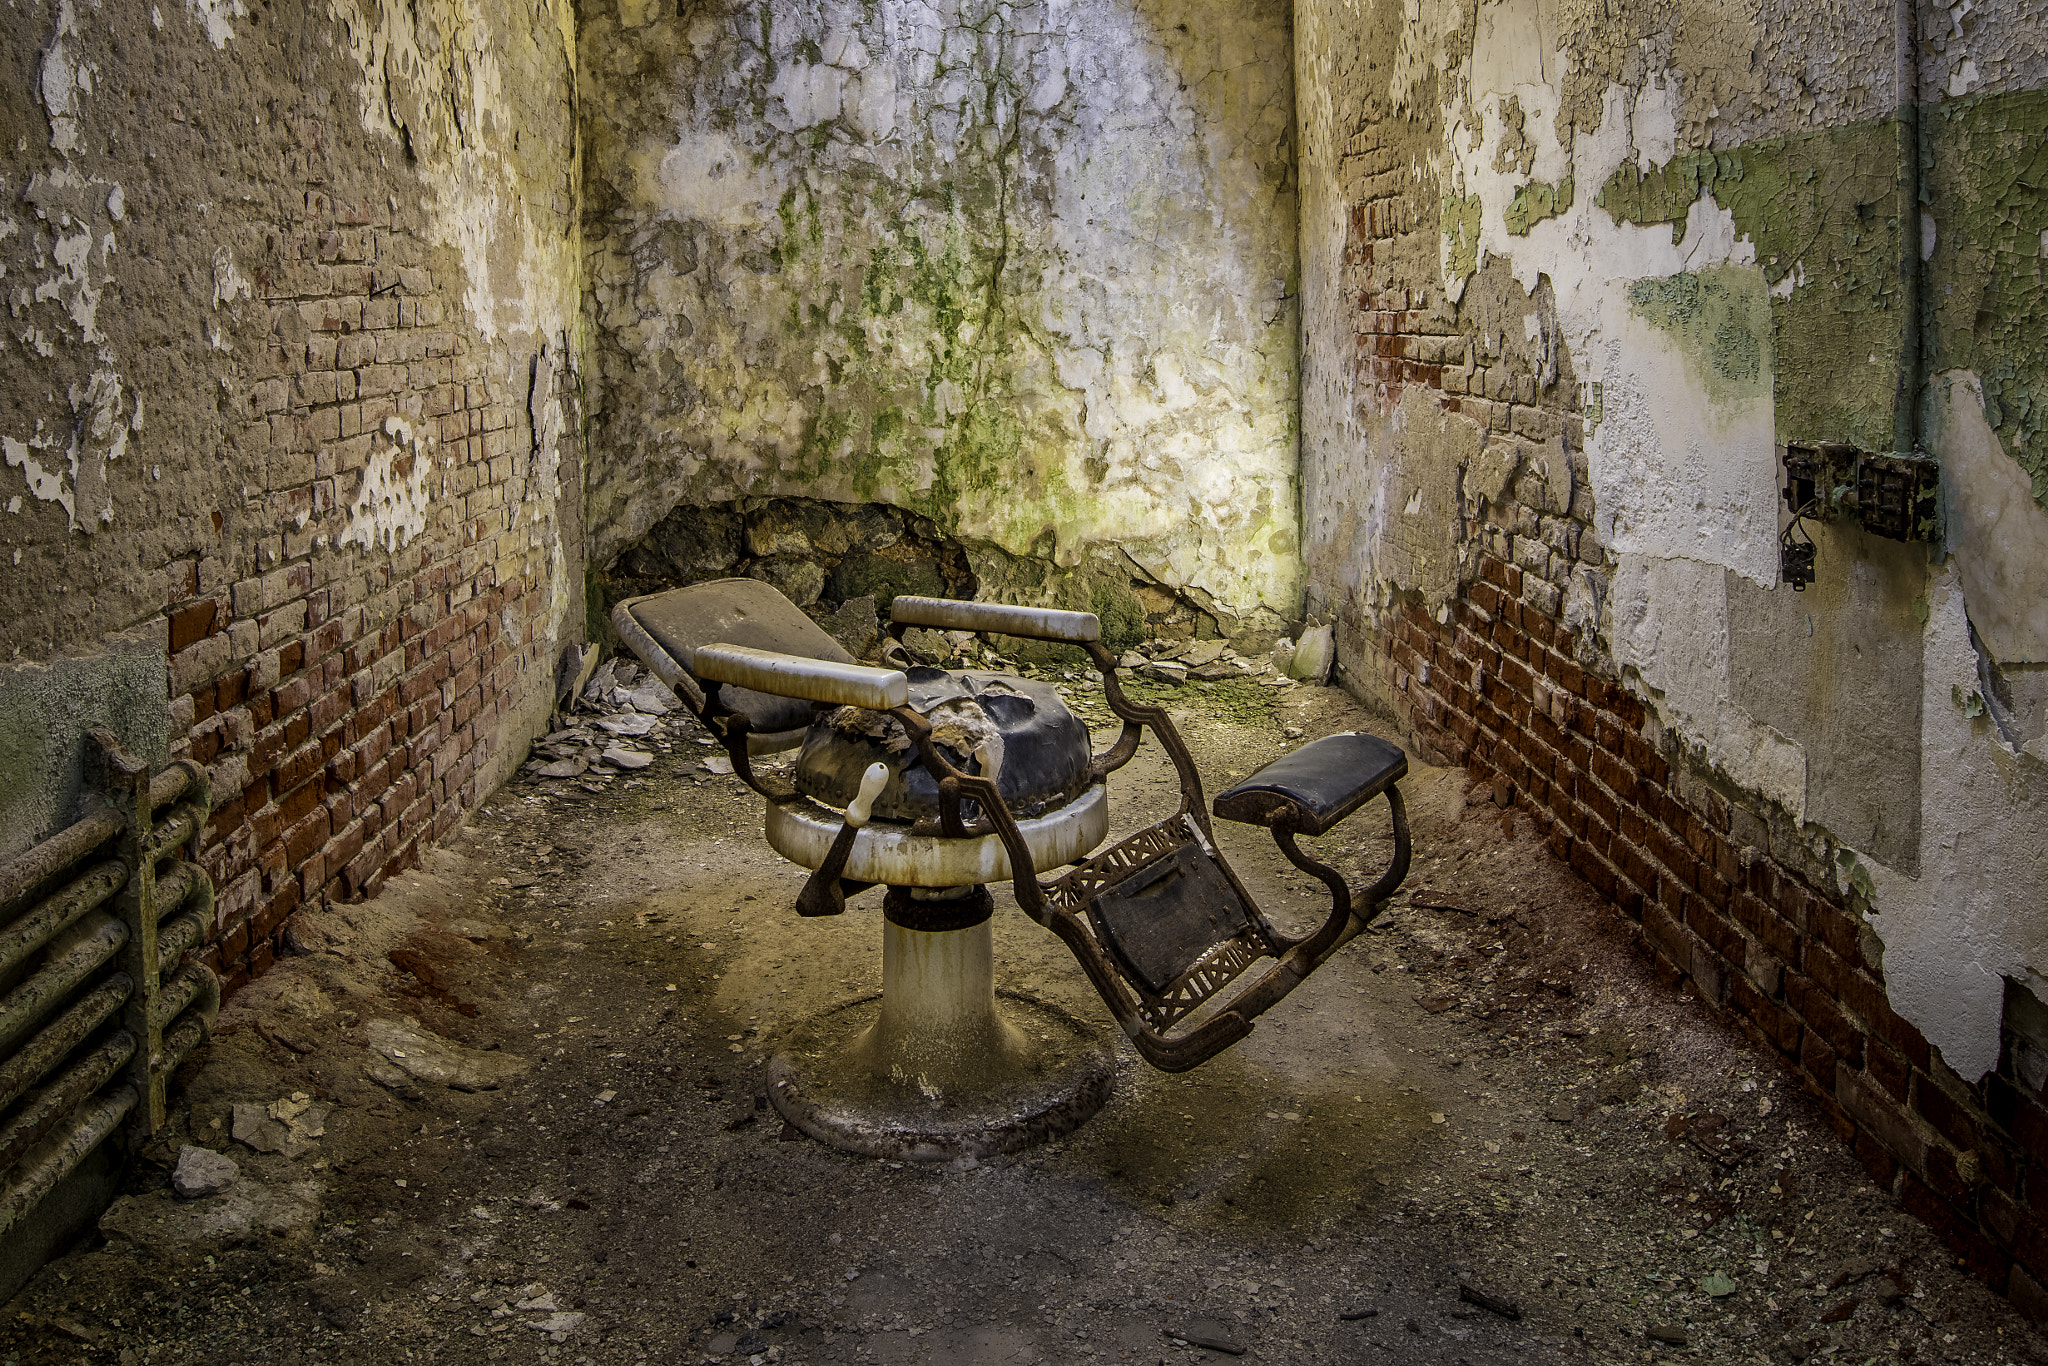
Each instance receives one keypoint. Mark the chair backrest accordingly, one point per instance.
(737, 612)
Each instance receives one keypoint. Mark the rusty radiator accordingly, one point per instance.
(102, 993)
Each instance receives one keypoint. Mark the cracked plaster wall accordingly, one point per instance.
(287, 387)
(1027, 269)
(1690, 227)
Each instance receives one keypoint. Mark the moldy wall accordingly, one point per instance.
(1573, 276)
(289, 398)
(1024, 269)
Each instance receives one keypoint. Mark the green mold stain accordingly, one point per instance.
(1720, 319)
(1822, 211)
(1985, 168)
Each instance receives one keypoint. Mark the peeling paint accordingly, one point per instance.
(64, 79)
(1998, 533)
(217, 18)
(1025, 269)
(1731, 270)
(390, 505)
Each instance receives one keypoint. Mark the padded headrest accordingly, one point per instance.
(739, 612)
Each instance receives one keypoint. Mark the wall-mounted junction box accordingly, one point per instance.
(1895, 496)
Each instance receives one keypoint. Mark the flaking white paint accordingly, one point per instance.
(1998, 533)
(1971, 919)
(390, 505)
(217, 18)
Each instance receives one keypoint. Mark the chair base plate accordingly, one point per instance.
(827, 1083)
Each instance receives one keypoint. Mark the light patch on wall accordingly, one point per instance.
(229, 284)
(1972, 916)
(99, 434)
(1669, 623)
(1052, 310)
(1677, 332)
(48, 485)
(1653, 121)
(61, 197)
(432, 83)
(1996, 531)
(217, 18)
(64, 80)
(706, 176)
(390, 506)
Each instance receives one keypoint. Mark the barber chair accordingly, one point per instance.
(936, 784)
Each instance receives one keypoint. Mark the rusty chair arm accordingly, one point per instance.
(823, 683)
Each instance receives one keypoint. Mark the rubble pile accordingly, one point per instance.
(617, 724)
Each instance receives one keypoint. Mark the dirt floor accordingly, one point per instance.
(1482, 1108)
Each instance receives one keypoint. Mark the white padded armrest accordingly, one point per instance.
(814, 680)
(1039, 623)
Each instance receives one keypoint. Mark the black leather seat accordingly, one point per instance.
(1317, 785)
(739, 612)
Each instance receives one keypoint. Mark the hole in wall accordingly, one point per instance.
(830, 557)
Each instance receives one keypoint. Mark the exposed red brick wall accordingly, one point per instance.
(1503, 686)
(349, 701)
(1496, 689)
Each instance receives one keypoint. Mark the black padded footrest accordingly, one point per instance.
(1316, 786)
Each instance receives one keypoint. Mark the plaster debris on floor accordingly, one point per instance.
(512, 1110)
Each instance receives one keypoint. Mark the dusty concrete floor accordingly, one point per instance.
(1498, 1093)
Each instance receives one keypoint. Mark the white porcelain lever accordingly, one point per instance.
(871, 784)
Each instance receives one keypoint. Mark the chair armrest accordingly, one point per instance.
(1316, 786)
(1036, 623)
(814, 680)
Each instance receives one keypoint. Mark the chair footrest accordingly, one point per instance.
(1317, 785)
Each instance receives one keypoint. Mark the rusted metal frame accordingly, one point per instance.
(35, 1058)
(49, 1106)
(954, 783)
(58, 1157)
(1303, 956)
(59, 911)
(1169, 1055)
(88, 946)
(1345, 902)
(1136, 717)
(732, 728)
(1192, 807)
(824, 892)
(126, 779)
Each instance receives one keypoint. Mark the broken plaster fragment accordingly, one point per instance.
(435, 1060)
(287, 1127)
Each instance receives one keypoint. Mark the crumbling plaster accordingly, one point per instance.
(1710, 201)
(147, 238)
(1026, 269)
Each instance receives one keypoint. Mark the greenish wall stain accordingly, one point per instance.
(1721, 320)
(959, 316)
(1535, 202)
(1823, 211)
(1985, 179)
(1461, 235)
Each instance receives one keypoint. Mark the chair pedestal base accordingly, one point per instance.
(940, 1065)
